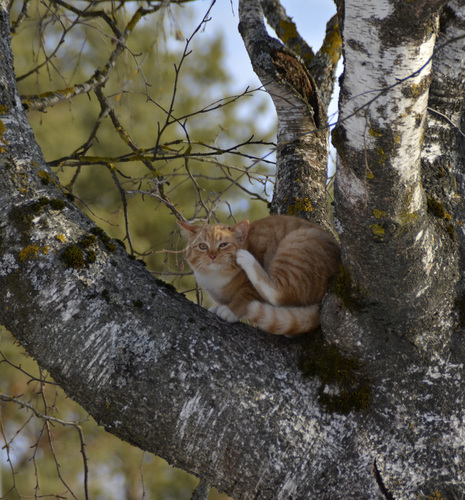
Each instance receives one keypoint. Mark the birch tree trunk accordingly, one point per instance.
(400, 260)
(373, 408)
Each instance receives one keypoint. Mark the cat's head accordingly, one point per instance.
(213, 247)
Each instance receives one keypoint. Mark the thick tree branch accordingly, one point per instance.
(286, 30)
(443, 151)
(300, 187)
(151, 367)
(322, 65)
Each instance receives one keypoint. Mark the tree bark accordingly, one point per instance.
(399, 292)
(254, 415)
(398, 260)
(443, 152)
(302, 152)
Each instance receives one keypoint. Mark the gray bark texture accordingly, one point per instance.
(302, 150)
(370, 408)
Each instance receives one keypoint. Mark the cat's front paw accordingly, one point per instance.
(224, 313)
(245, 259)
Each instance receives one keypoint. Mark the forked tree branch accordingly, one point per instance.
(256, 416)
(41, 102)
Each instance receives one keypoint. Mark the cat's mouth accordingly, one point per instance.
(210, 265)
(220, 265)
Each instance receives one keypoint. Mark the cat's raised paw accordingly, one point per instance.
(224, 313)
(245, 259)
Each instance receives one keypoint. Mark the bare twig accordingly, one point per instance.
(19, 368)
(42, 101)
(48, 420)
(122, 193)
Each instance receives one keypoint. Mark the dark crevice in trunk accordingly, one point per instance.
(387, 494)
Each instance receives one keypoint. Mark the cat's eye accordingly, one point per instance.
(203, 246)
(222, 245)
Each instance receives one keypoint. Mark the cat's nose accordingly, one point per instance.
(212, 256)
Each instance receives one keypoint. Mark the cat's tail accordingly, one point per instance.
(281, 320)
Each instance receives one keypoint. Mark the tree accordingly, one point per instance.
(371, 407)
(34, 460)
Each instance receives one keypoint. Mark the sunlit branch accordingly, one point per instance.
(42, 101)
(324, 65)
(151, 154)
(286, 30)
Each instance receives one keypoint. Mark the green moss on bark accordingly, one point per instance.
(344, 385)
(343, 288)
(73, 257)
(57, 204)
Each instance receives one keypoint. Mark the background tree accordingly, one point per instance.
(372, 406)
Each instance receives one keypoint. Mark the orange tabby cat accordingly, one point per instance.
(274, 271)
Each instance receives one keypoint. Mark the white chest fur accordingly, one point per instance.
(212, 282)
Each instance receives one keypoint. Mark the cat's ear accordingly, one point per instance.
(188, 229)
(241, 230)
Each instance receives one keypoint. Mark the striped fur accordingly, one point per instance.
(281, 320)
(274, 271)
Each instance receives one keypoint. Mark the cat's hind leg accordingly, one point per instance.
(294, 275)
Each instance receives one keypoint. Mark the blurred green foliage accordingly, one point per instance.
(180, 169)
